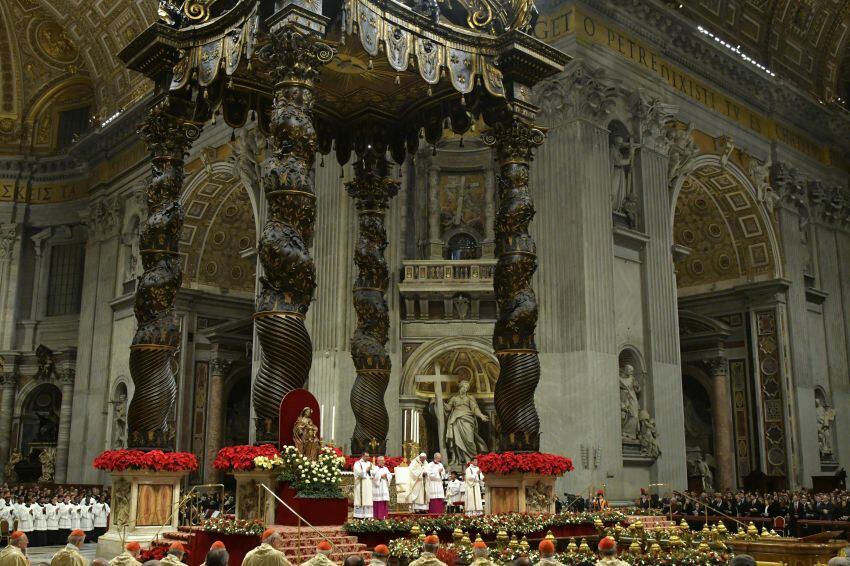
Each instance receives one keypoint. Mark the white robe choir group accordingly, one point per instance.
(49, 523)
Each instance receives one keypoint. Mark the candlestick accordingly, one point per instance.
(333, 421)
(322, 422)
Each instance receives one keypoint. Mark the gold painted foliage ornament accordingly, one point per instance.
(491, 16)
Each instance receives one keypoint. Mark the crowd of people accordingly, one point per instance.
(431, 488)
(792, 505)
(48, 515)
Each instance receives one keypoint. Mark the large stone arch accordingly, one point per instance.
(422, 360)
(730, 235)
(219, 231)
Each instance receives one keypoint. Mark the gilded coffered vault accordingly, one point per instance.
(723, 229)
(805, 41)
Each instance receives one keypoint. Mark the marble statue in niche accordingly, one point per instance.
(305, 435)
(622, 158)
(648, 436)
(119, 434)
(630, 388)
(825, 416)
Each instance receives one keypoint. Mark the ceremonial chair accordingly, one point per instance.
(779, 525)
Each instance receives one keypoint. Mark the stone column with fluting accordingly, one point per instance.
(513, 337)
(215, 415)
(289, 280)
(371, 190)
(152, 355)
(8, 385)
(63, 441)
(435, 244)
(721, 416)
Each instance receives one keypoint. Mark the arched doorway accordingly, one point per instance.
(39, 429)
(433, 377)
(728, 275)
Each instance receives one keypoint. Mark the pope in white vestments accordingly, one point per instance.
(473, 503)
(381, 478)
(363, 487)
(436, 492)
(418, 491)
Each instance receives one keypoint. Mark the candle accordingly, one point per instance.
(322, 422)
(403, 426)
(333, 421)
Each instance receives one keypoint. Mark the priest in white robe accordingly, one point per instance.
(418, 491)
(363, 487)
(381, 478)
(436, 491)
(473, 503)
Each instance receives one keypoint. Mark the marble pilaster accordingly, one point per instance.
(10, 260)
(721, 417)
(219, 367)
(63, 441)
(8, 385)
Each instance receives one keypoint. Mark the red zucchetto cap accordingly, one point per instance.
(607, 543)
(16, 535)
(218, 544)
(78, 533)
(382, 549)
(479, 544)
(546, 546)
(268, 533)
(432, 539)
(177, 546)
(133, 546)
(324, 546)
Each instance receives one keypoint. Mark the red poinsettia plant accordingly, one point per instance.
(524, 462)
(241, 457)
(389, 461)
(153, 460)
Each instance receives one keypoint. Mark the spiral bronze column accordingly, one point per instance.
(286, 288)
(516, 252)
(372, 190)
(152, 354)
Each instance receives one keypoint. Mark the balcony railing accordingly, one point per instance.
(448, 272)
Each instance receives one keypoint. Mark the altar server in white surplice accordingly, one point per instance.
(436, 491)
(418, 494)
(473, 503)
(363, 487)
(381, 478)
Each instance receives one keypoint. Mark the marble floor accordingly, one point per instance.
(43, 554)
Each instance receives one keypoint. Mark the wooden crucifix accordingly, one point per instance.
(438, 379)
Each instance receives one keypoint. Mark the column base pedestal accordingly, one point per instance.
(144, 505)
(520, 493)
(252, 501)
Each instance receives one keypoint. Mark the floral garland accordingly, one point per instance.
(154, 460)
(231, 526)
(526, 462)
(410, 549)
(512, 523)
(242, 457)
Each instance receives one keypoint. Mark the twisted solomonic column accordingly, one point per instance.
(152, 354)
(289, 279)
(516, 252)
(371, 189)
